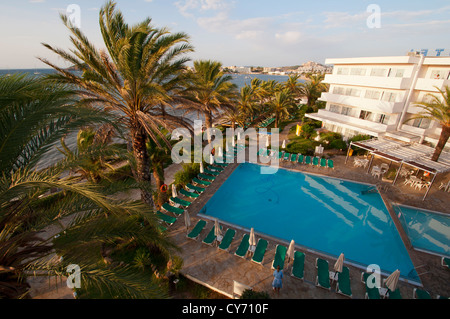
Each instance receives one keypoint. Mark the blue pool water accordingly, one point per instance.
(324, 214)
(427, 231)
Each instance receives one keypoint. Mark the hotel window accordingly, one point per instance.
(338, 90)
(358, 71)
(346, 110)
(342, 71)
(335, 108)
(389, 96)
(396, 73)
(439, 74)
(378, 72)
(371, 94)
(353, 92)
(421, 123)
(382, 118)
(365, 115)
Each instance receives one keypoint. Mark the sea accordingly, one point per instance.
(53, 155)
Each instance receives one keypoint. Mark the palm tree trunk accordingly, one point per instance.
(208, 124)
(142, 162)
(159, 181)
(445, 134)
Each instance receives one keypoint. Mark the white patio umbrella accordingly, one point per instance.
(392, 280)
(239, 136)
(267, 141)
(233, 143)
(187, 220)
(252, 239)
(201, 167)
(339, 263)
(217, 230)
(284, 144)
(290, 251)
(211, 159)
(174, 191)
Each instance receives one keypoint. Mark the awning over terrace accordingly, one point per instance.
(416, 155)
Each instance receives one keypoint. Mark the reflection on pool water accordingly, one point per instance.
(429, 231)
(323, 214)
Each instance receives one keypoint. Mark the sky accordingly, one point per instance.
(267, 33)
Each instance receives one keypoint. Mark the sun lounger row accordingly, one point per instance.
(324, 278)
(297, 158)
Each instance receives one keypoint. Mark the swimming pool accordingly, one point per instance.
(323, 214)
(428, 231)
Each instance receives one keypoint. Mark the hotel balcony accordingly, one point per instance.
(429, 84)
(375, 106)
(369, 81)
(353, 123)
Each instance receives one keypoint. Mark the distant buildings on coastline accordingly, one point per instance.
(308, 67)
(377, 95)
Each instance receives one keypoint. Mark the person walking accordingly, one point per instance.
(277, 280)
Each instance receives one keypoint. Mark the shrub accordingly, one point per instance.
(250, 294)
(338, 145)
(356, 138)
(185, 176)
(301, 146)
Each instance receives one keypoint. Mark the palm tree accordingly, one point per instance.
(438, 109)
(90, 155)
(34, 115)
(211, 90)
(139, 79)
(293, 85)
(312, 88)
(282, 103)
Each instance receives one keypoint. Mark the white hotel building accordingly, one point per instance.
(376, 95)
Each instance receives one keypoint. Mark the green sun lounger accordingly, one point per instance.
(315, 161)
(209, 172)
(195, 232)
(188, 194)
(260, 251)
(180, 201)
(172, 209)
(323, 274)
(280, 255)
(166, 218)
(394, 294)
(195, 188)
(330, 164)
(211, 237)
(308, 160)
(372, 293)
(286, 156)
(293, 157)
(323, 162)
(206, 177)
(215, 168)
(298, 265)
(221, 164)
(343, 283)
(200, 182)
(243, 246)
(300, 159)
(421, 294)
(227, 239)
(445, 262)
